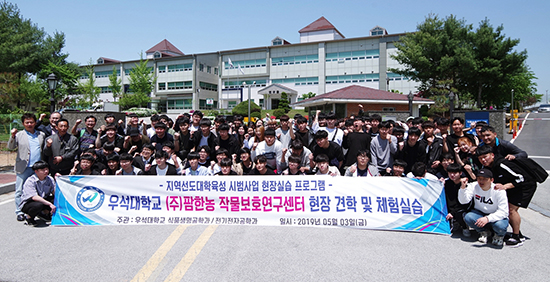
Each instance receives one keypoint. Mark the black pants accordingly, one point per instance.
(33, 208)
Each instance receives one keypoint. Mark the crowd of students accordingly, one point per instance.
(358, 146)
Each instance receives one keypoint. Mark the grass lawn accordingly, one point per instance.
(4, 137)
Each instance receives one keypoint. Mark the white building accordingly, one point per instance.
(323, 61)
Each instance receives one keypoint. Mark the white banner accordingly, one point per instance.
(388, 203)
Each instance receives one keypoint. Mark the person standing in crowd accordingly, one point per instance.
(334, 133)
(355, 141)
(297, 149)
(50, 128)
(260, 167)
(28, 143)
(451, 141)
(285, 133)
(183, 138)
(500, 147)
(245, 164)
(196, 124)
(194, 168)
(271, 148)
(328, 148)
(412, 151)
(161, 167)
(38, 194)
(145, 157)
(84, 166)
(433, 145)
(135, 141)
(111, 136)
(225, 167)
(86, 136)
(161, 136)
(304, 133)
(126, 167)
(204, 137)
(383, 148)
(362, 167)
(226, 140)
(61, 149)
(323, 166)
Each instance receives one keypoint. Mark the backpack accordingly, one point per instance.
(532, 168)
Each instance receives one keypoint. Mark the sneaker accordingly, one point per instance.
(20, 217)
(521, 237)
(498, 240)
(514, 241)
(44, 216)
(30, 221)
(466, 232)
(483, 236)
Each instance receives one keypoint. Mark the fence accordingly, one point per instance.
(9, 121)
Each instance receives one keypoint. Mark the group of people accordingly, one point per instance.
(359, 146)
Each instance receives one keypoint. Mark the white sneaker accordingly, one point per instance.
(466, 232)
(483, 236)
(498, 240)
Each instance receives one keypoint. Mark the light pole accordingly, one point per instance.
(411, 97)
(451, 104)
(244, 85)
(52, 84)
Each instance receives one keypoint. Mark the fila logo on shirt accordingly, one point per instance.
(483, 200)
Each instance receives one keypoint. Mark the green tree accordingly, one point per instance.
(142, 81)
(242, 108)
(308, 95)
(115, 84)
(284, 103)
(495, 62)
(89, 93)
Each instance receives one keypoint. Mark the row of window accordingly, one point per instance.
(298, 81)
(239, 83)
(106, 89)
(246, 64)
(175, 85)
(182, 104)
(353, 55)
(101, 74)
(208, 86)
(175, 68)
(295, 60)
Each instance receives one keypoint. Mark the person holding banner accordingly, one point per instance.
(490, 211)
(38, 194)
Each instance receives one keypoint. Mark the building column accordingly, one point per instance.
(322, 69)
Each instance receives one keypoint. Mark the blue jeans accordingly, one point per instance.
(499, 227)
(19, 181)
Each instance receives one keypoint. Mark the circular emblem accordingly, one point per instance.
(90, 198)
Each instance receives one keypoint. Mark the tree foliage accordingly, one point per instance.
(308, 95)
(142, 81)
(115, 84)
(447, 55)
(242, 108)
(89, 93)
(284, 103)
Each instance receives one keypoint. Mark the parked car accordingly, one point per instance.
(544, 108)
(141, 112)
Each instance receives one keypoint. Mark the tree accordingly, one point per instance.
(308, 95)
(89, 93)
(284, 103)
(242, 108)
(142, 81)
(115, 84)
(448, 55)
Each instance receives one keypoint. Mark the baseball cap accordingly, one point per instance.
(487, 173)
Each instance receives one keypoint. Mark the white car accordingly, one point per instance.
(544, 108)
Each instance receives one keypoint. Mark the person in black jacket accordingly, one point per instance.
(412, 151)
(162, 167)
(227, 141)
(519, 186)
(205, 137)
(184, 138)
(500, 147)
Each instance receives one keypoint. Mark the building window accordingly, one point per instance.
(388, 109)
(216, 71)
(157, 55)
(100, 61)
(106, 90)
(162, 86)
(162, 69)
(201, 67)
(231, 104)
(261, 103)
(208, 86)
(180, 85)
(246, 64)
(182, 104)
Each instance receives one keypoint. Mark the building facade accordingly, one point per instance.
(322, 62)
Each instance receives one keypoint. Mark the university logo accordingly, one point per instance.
(90, 198)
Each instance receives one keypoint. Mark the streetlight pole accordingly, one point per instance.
(451, 104)
(52, 84)
(411, 97)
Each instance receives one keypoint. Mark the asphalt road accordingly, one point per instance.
(239, 253)
(534, 138)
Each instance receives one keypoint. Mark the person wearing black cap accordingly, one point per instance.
(133, 143)
(490, 211)
(38, 193)
(271, 148)
(161, 136)
(519, 186)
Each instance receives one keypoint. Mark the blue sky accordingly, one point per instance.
(122, 29)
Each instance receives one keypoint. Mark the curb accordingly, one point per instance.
(7, 188)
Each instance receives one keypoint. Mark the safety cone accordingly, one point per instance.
(515, 134)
